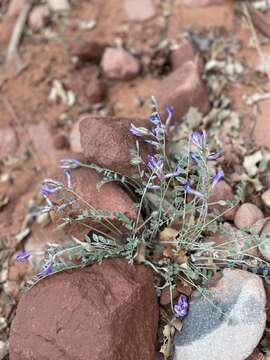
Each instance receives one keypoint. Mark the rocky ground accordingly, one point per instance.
(77, 61)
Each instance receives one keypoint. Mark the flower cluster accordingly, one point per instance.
(181, 308)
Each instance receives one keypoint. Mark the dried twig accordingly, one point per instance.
(12, 51)
(254, 34)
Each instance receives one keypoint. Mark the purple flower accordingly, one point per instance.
(138, 131)
(154, 143)
(22, 256)
(155, 118)
(190, 190)
(47, 190)
(198, 138)
(69, 164)
(181, 309)
(194, 157)
(67, 174)
(156, 166)
(177, 172)
(46, 270)
(215, 156)
(219, 175)
(170, 111)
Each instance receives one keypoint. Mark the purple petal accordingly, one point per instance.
(190, 190)
(177, 172)
(69, 164)
(215, 156)
(220, 174)
(194, 157)
(181, 309)
(48, 269)
(22, 256)
(197, 138)
(138, 131)
(170, 111)
(67, 174)
(155, 118)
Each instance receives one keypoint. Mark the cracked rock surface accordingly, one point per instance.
(106, 311)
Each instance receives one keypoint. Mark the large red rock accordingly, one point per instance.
(111, 197)
(107, 142)
(102, 312)
(182, 89)
(222, 192)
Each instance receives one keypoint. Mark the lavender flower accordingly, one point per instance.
(177, 172)
(22, 256)
(181, 309)
(219, 175)
(154, 118)
(198, 138)
(194, 157)
(156, 166)
(215, 156)
(46, 270)
(67, 174)
(138, 131)
(154, 143)
(190, 190)
(170, 111)
(69, 164)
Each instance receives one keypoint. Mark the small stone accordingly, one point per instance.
(222, 192)
(183, 54)
(118, 64)
(118, 300)
(139, 10)
(199, 3)
(8, 142)
(87, 50)
(232, 328)
(95, 90)
(61, 142)
(265, 247)
(266, 198)
(39, 17)
(107, 142)
(182, 89)
(17, 270)
(59, 5)
(247, 215)
(75, 138)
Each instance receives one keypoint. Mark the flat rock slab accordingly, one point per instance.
(102, 312)
(227, 323)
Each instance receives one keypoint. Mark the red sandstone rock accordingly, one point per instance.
(111, 197)
(266, 198)
(118, 64)
(182, 89)
(183, 54)
(247, 215)
(107, 142)
(87, 50)
(102, 312)
(8, 142)
(39, 17)
(222, 191)
(95, 90)
(139, 10)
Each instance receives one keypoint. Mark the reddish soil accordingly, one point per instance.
(24, 98)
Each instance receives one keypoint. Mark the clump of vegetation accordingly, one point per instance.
(173, 192)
